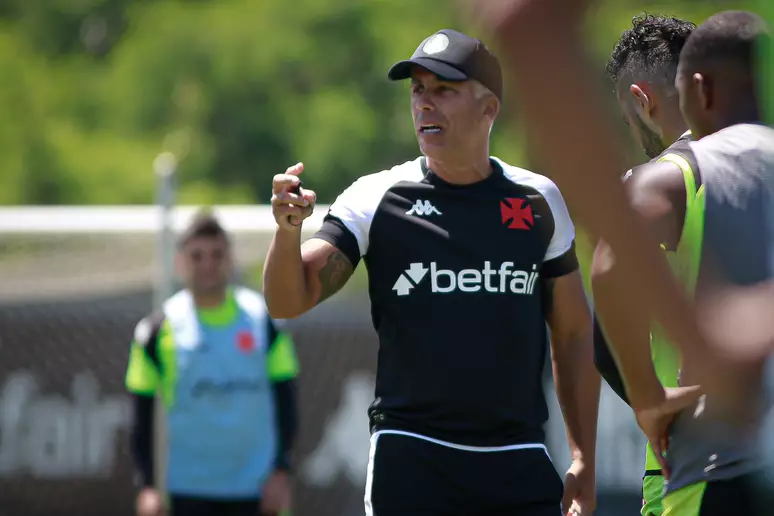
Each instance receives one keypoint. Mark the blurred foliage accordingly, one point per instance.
(93, 90)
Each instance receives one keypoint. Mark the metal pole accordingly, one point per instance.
(164, 167)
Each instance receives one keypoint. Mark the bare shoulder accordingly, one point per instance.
(663, 177)
(657, 192)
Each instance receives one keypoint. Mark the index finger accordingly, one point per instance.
(295, 169)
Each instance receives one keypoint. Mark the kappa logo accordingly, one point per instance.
(503, 280)
(423, 208)
(517, 213)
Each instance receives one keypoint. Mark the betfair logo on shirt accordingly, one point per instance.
(422, 208)
(502, 280)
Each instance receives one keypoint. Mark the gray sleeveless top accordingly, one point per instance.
(737, 169)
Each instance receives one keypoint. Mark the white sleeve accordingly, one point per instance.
(564, 230)
(355, 208)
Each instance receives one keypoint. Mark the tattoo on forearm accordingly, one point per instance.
(334, 274)
(548, 296)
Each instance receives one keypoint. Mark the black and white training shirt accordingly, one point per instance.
(455, 281)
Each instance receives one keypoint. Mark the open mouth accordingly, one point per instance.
(429, 129)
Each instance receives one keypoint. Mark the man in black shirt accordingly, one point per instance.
(468, 258)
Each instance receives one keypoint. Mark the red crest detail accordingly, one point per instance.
(517, 213)
(245, 341)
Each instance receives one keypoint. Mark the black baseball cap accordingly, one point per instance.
(453, 56)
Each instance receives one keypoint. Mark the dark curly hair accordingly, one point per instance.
(650, 48)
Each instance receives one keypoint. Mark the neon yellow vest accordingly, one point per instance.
(685, 261)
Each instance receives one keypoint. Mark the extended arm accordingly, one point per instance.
(287, 422)
(142, 441)
(297, 277)
(282, 367)
(603, 357)
(569, 320)
(142, 381)
(657, 192)
(577, 381)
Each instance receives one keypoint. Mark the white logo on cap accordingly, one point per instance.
(437, 43)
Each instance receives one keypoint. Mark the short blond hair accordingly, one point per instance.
(480, 91)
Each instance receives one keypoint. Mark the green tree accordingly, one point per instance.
(238, 89)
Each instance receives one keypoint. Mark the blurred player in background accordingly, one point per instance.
(226, 376)
(766, 87)
(643, 66)
(713, 455)
(468, 258)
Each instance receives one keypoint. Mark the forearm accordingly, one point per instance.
(628, 335)
(142, 439)
(577, 388)
(285, 402)
(285, 285)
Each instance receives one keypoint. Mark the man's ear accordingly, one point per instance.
(492, 108)
(644, 103)
(705, 90)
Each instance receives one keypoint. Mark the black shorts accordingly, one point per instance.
(412, 476)
(192, 506)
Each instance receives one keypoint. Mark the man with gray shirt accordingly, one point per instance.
(713, 450)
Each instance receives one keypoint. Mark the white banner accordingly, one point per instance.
(48, 436)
